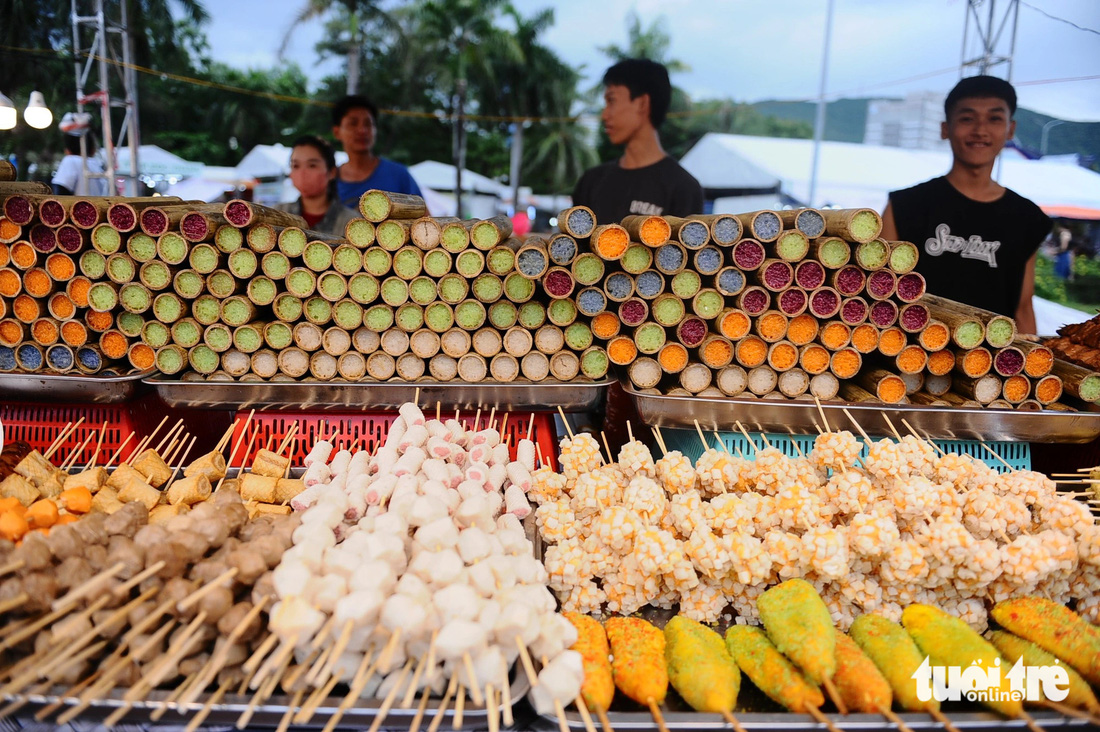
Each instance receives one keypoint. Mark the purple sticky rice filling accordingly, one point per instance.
(881, 284)
(43, 238)
(914, 317)
(154, 222)
(748, 255)
(778, 275)
(193, 227)
(911, 287)
(121, 218)
(1009, 362)
(692, 332)
(792, 302)
(84, 214)
(237, 213)
(810, 275)
(824, 303)
(52, 213)
(884, 314)
(558, 283)
(850, 280)
(853, 311)
(18, 210)
(632, 312)
(754, 301)
(69, 239)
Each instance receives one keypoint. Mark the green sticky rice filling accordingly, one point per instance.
(332, 286)
(865, 226)
(377, 261)
(792, 246)
(999, 332)
(262, 291)
(374, 206)
(903, 258)
(120, 268)
(262, 238)
(102, 297)
(292, 242)
(93, 264)
(204, 259)
(247, 339)
(279, 335)
(650, 338)
(501, 261)
(218, 338)
(221, 284)
(228, 239)
(518, 288)
(363, 288)
(141, 247)
(407, 263)
(1090, 388)
(708, 304)
(686, 284)
(439, 317)
(488, 288)
(318, 310)
(155, 275)
(204, 360)
(155, 334)
(409, 317)
(578, 336)
(455, 238)
(453, 289)
(970, 334)
(167, 308)
(135, 298)
(668, 311)
(391, 235)
(347, 260)
(106, 240)
(347, 314)
(562, 312)
(532, 315)
(594, 364)
(395, 291)
(236, 311)
(242, 263)
(437, 263)
(288, 308)
(301, 282)
(470, 314)
(470, 263)
(188, 284)
(186, 333)
(588, 269)
(131, 323)
(378, 318)
(872, 255)
(423, 290)
(834, 253)
(275, 265)
(360, 232)
(317, 256)
(637, 258)
(485, 236)
(206, 309)
(170, 360)
(503, 314)
(172, 248)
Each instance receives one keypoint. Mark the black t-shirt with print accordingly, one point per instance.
(970, 251)
(661, 189)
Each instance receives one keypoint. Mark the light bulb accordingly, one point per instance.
(37, 114)
(8, 113)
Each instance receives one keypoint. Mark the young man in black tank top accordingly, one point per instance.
(978, 240)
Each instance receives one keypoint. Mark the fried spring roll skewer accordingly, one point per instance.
(1056, 629)
(700, 667)
(599, 687)
(1013, 648)
(638, 665)
(897, 657)
(770, 670)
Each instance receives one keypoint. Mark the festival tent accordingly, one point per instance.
(156, 163)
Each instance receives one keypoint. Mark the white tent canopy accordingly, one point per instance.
(1050, 316)
(852, 175)
(156, 161)
(441, 177)
(272, 161)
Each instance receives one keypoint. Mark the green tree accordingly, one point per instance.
(348, 24)
(651, 42)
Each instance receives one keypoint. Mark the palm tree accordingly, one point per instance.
(350, 19)
(651, 43)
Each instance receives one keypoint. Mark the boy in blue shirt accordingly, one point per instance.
(353, 124)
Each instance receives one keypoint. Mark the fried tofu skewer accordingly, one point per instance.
(638, 650)
(701, 669)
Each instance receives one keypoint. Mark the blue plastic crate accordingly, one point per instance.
(1016, 454)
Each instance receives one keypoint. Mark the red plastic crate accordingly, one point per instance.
(39, 425)
(365, 431)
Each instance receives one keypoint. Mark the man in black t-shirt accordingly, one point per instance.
(645, 180)
(978, 239)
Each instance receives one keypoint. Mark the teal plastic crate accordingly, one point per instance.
(1016, 454)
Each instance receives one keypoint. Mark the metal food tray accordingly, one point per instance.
(270, 714)
(70, 388)
(574, 396)
(799, 416)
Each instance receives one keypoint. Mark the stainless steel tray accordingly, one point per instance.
(70, 388)
(798, 417)
(576, 396)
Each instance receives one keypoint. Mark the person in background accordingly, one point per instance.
(978, 239)
(1063, 259)
(354, 125)
(69, 179)
(645, 180)
(313, 172)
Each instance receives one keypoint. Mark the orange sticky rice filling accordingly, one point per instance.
(783, 356)
(612, 243)
(751, 352)
(846, 363)
(673, 358)
(935, 336)
(772, 326)
(605, 326)
(735, 325)
(891, 341)
(865, 338)
(622, 350)
(836, 336)
(802, 329)
(912, 359)
(941, 363)
(717, 352)
(977, 362)
(891, 389)
(655, 231)
(1038, 362)
(815, 359)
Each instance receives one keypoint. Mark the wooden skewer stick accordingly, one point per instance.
(261, 695)
(98, 446)
(425, 662)
(492, 418)
(733, 722)
(821, 718)
(493, 709)
(70, 459)
(386, 656)
(475, 690)
(892, 717)
(341, 644)
(821, 411)
(504, 424)
(289, 439)
(416, 396)
(993, 452)
(1030, 722)
(890, 424)
(834, 696)
(656, 712)
(387, 703)
(418, 718)
(866, 437)
(11, 567)
(506, 701)
(69, 429)
(295, 704)
(440, 711)
(1069, 711)
(438, 411)
(607, 446)
(46, 685)
(13, 603)
(236, 446)
(86, 588)
(177, 427)
(460, 707)
(477, 419)
(180, 464)
(290, 681)
(226, 436)
(528, 664)
(752, 443)
(171, 700)
(601, 714)
(585, 716)
(118, 452)
(702, 439)
(59, 439)
(195, 597)
(277, 660)
(568, 429)
(362, 674)
(310, 707)
(912, 429)
(257, 657)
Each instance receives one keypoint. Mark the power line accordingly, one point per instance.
(1060, 20)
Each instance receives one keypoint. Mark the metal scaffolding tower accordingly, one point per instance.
(100, 40)
(993, 44)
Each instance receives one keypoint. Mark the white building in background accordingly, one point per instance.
(912, 123)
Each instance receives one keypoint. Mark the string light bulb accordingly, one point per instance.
(37, 114)
(8, 114)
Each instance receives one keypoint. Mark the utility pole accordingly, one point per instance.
(991, 49)
(100, 41)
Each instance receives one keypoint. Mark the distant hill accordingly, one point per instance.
(846, 119)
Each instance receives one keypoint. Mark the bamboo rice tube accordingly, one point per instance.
(854, 311)
(408, 263)
(426, 231)
(351, 366)
(9, 234)
(532, 315)
(730, 281)
(377, 261)
(732, 380)
(105, 240)
(102, 298)
(381, 366)
(734, 324)
(171, 359)
(708, 303)
(155, 334)
(533, 260)
(472, 368)
(892, 341)
(322, 366)
(155, 275)
(172, 248)
(771, 326)
(1078, 381)
(470, 263)
(670, 258)
(835, 335)
(203, 258)
(941, 363)
(716, 352)
(833, 253)
(437, 263)
(317, 310)
(561, 313)
(652, 231)
(219, 338)
(37, 282)
(873, 255)
(242, 213)
(695, 233)
(23, 256)
(983, 390)
(443, 368)
(489, 233)
(197, 226)
(578, 337)
(794, 383)
(391, 235)
(504, 368)
(884, 314)
(27, 310)
(487, 288)
(882, 284)
(645, 373)
(621, 350)
(7, 171)
(318, 256)
(587, 269)
(775, 275)
(824, 386)
(501, 260)
(236, 311)
(61, 358)
(236, 364)
(591, 301)
(1016, 389)
(913, 383)
(188, 284)
(348, 314)
(809, 274)
(754, 300)
(792, 246)
(203, 359)
(1038, 359)
(456, 343)
(439, 317)
(332, 286)
(762, 381)
(549, 339)
(456, 235)
(291, 241)
(469, 315)
(911, 287)
(518, 289)
(12, 332)
(673, 358)
(564, 366)
(650, 338)
(913, 318)
(1029, 405)
(578, 221)
(695, 378)
(377, 206)
(11, 284)
(360, 233)
(425, 343)
(228, 239)
(782, 356)
(911, 360)
(865, 338)
(263, 238)
(70, 239)
(1000, 330)
(276, 335)
(294, 362)
(394, 291)
(764, 226)
(1048, 390)
(649, 285)
(134, 298)
(854, 224)
(606, 326)
(30, 357)
(60, 267)
(814, 359)
(265, 363)
(562, 250)
(558, 282)
(276, 265)
(187, 333)
(287, 308)
(692, 331)
(44, 239)
(751, 352)
(809, 221)
(854, 393)
(668, 310)
(365, 340)
(487, 342)
(247, 338)
(935, 336)
(45, 332)
(141, 247)
(636, 259)
(845, 363)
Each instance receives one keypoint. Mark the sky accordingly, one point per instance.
(751, 50)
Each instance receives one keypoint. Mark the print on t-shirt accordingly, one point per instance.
(972, 248)
(642, 208)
